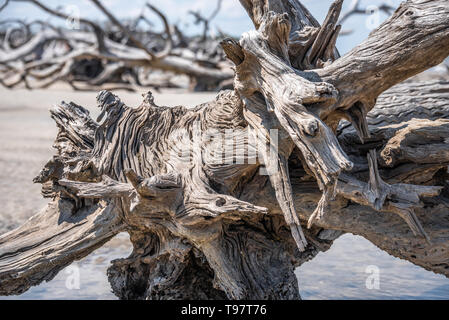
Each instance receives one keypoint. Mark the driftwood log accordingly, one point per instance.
(89, 55)
(224, 200)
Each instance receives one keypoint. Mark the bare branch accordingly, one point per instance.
(206, 21)
(169, 42)
(3, 6)
(125, 30)
(97, 30)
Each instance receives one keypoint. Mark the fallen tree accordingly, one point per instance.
(37, 54)
(346, 147)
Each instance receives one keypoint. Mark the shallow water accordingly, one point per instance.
(91, 283)
(339, 273)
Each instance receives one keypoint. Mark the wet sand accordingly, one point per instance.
(26, 136)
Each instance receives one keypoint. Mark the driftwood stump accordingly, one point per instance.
(224, 200)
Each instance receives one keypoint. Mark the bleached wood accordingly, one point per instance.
(207, 229)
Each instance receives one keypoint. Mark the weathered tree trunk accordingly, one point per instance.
(187, 184)
(57, 54)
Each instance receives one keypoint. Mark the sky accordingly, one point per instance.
(232, 18)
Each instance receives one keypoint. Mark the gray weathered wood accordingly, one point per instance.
(206, 224)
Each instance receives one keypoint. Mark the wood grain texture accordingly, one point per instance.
(205, 223)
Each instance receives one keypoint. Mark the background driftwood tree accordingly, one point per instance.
(128, 55)
(116, 54)
(358, 150)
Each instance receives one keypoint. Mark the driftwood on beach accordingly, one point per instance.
(224, 200)
(89, 55)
